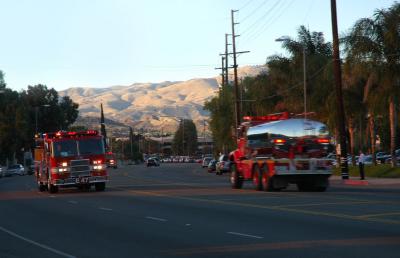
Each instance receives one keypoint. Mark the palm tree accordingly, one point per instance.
(373, 45)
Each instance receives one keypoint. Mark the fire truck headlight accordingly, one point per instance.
(97, 162)
(98, 167)
(64, 164)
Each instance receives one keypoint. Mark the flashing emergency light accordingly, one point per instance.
(323, 140)
(279, 141)
(272, 117)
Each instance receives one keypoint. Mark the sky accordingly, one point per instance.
(101, 43)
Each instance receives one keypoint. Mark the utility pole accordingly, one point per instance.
(226, 59)
(223, 78)
(237, 106)
(339, 98)
(236, 83)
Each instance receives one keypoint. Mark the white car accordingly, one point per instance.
(16, 169)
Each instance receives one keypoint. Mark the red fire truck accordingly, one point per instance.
(70, 159)
(280, 149)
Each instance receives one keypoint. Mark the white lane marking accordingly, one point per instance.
(48, 248)
(73, 202)
(155, 218)
(52, 196)
(105, 209)
(244, 235)
(188, 224)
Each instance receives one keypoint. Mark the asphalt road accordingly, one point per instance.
(179, 210)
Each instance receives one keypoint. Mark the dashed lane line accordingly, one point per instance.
(157, 219)
(105, 209)
(244, 235)
(43, 246)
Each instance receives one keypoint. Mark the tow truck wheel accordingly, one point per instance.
(236, 180)
(257, 178)
(266, 180)
(100, 186)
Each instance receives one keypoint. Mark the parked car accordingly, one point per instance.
(205, 162)
(152, 162)
(223, 165)
(1, 172)
(212, 166)
(16, 169)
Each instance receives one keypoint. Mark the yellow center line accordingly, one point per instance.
(379, 215)
(284, 245)
(273, 208)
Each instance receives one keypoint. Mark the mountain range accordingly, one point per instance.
(152, 105)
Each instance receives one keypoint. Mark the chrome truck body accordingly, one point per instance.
(277, 150)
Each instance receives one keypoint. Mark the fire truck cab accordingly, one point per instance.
(70, 159)
(279, 149)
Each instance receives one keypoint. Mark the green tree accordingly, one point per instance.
(185, 138)
(373, 47)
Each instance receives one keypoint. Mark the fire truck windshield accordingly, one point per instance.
(73, 147)
(65, 148)
(91, 146)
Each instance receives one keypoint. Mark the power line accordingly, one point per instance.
(298, 84)
(246, 4)
(253, 25)
(254, 11)
(279, 12)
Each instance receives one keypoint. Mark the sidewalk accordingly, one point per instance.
(368, 181)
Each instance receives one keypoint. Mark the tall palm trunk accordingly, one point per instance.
(372, 135)
(393, 120)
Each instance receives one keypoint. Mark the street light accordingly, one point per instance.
(287, 39)
(36, 115)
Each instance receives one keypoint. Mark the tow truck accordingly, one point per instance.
(70, 159)
(281, 149)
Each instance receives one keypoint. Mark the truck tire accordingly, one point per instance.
(236, 180)
(257, 178)
(100, 187)
(52, 188)
(266, 180)
(41, 187)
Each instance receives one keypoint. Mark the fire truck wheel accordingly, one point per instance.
(257, 178)
(100, 186)
(41, 187)
(52, 188)
(236, 180)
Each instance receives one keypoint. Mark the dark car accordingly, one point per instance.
(212, 166)
(152, 162)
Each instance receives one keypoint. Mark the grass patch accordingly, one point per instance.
(381, 170)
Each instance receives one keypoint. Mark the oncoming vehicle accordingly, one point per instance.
(111, 160)
(205, 161)
(277, 150)
(70, 159)
(152, 162)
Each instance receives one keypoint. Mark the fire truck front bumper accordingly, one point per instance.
(80, 180)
